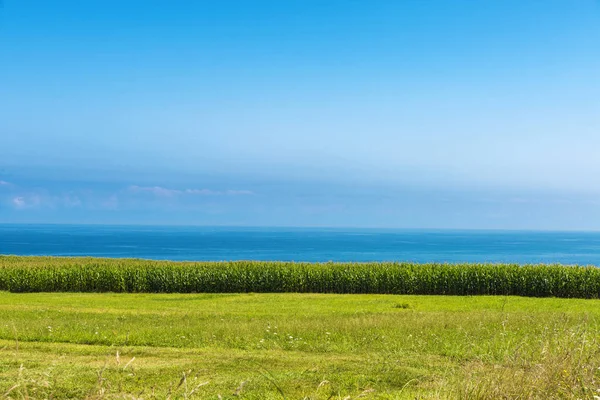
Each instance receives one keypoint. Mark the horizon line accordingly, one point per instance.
(325, 227)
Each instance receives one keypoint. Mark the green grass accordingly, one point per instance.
(295, 346)
(47, 274)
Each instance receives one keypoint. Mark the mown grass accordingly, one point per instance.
(296, 346)
(48, 274)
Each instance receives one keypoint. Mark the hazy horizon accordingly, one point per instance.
(346, 228)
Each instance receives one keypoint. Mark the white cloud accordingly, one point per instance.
(165, 192)
(19, 202)
(155, 190)
(4, 183)
(43, 200)
(22, 202)
(131, 197)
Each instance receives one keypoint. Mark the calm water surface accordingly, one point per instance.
(205, 243)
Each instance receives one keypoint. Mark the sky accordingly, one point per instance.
(342, 113)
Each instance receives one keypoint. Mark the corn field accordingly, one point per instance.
(57, 274)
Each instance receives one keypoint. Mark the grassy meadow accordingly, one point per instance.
(297, 346)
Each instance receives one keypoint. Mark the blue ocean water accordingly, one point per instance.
(299, 244)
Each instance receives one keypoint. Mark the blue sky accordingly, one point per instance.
(383, 113)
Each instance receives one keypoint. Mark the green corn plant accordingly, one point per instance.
(65, 274)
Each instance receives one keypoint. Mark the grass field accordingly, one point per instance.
(295, 346)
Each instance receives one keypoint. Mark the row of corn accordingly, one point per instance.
(55, 274)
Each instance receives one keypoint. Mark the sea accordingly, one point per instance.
(301, 244)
